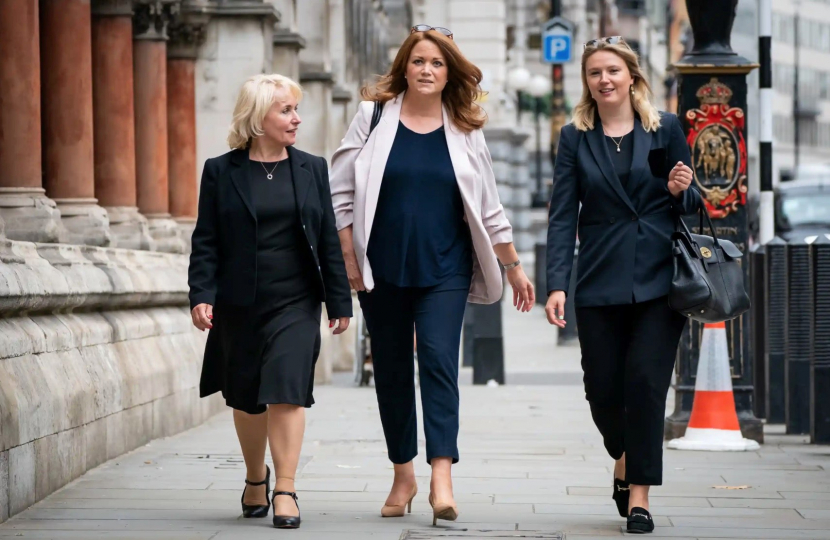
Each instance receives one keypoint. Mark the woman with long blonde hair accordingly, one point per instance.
(627, 165)
(422, 232)
(265, 257)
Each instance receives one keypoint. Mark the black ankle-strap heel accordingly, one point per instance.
(256, 510)
(622, 493)
(286, 522)
(639, 521)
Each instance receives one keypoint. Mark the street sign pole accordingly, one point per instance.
(557, 49)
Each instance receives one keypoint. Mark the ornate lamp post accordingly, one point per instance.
(712, 93)
(517, 81)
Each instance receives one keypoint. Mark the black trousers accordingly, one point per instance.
(628, 355)
(435, 314)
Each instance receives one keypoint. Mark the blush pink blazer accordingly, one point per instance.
(357, 169)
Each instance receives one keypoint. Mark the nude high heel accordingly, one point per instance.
(448, 512)
(398, 510)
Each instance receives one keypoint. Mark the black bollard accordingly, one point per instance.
(799, 336)
(467, 335)
(484, 341)
(487, 343)
(820, 369)
(775, 323)
(541, 271)
(758, 331)
(570, 335)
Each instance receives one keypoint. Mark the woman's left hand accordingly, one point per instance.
(523, 294)
(342, 324)
(680, 178)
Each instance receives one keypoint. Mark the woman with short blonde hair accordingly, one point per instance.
(265, 256)
(627, 166)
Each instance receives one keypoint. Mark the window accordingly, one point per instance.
(782, 129)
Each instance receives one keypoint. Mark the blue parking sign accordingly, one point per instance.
(557, 49)
(557, 41)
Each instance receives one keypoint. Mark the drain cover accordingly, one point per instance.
(428, 534)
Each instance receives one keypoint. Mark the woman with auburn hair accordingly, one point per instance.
(265, 255)
(422, 232)
(627, 164)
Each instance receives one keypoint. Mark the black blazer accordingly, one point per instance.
(223, 261)
(624, 246)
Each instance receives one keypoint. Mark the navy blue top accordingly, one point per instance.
(419, 237)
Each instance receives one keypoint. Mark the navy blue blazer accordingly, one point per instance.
(624, 246)
(223, 261)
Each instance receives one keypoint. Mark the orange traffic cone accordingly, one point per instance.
(714, 422)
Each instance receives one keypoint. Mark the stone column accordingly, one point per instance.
(27, 213)
(316, 77)
(150, 83)
(186, 36)
(287, 47)
(287, 41)
(69, 161)
(114, 121)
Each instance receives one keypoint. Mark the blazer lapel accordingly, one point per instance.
(596, 142)
(239, 178)
(384, 136)
(301, 177)
(642, 146)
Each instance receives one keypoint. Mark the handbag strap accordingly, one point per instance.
(377, 111)
(701, 213)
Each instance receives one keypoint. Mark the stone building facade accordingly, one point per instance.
(109, 108)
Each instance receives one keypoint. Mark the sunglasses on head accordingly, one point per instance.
(611, 40)
(426, 28)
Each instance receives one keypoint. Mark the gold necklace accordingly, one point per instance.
(617, 143)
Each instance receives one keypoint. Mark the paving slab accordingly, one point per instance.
(532, 466)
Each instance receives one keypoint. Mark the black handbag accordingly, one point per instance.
(708, 281)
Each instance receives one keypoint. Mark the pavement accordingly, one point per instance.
(532, 466)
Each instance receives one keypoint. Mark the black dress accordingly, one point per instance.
(274, 343)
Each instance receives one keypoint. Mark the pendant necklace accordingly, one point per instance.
(617, 143)
(270, 175)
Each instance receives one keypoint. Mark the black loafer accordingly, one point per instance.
(255, 510)
(286, 522)
(639, 521)
(621, 495)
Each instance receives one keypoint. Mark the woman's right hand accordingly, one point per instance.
(202, 316)
(555, 308)
(353, 271)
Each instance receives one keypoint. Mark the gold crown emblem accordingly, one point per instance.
(714, 92)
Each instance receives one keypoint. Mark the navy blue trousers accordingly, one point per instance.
(435, 314)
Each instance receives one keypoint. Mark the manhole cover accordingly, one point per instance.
(427, 534)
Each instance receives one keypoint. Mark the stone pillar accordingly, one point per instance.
(287, 41)
(114, 122)
(316, 77)
(186, 35)
(69, 167)
(287, 47)
(712, 107)
(238, 44)
(150, 84)
(27, 213)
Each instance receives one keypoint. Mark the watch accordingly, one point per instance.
(512, 265)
